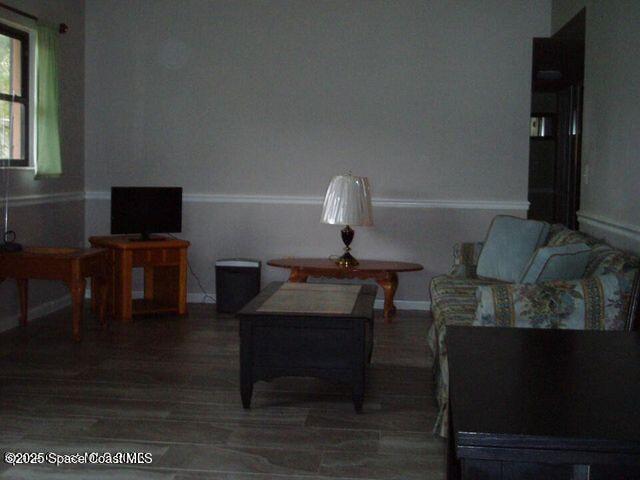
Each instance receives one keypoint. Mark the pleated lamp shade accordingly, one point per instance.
(348, 201)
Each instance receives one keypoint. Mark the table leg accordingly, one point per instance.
(246, 392)
(453, 466)
(77, 304)
(389, 283)
(95, 296)
(111, 278)
(298, 275)
(182, 282)
(359, 351)
(23, 293)
(102, 295)
(246, 363)
(122, 294)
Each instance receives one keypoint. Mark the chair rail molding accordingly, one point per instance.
(45, 198)
(314, 200)
(608, 224)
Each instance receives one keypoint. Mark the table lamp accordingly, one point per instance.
(347, 202)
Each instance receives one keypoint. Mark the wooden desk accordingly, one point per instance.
(69, 265)
(385, 273)
(165, 274)
(552, 404)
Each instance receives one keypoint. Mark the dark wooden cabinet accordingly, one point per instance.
(543, 404)
(335, 347)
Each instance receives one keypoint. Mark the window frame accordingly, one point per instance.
(24, 99)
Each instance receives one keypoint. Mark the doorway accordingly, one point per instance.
(557, 87)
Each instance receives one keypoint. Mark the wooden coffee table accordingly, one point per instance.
(69, 265)
(385, 273)
(301, 341)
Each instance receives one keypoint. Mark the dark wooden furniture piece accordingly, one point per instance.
(552, 404)
(633, 316)
(385, 273)
(165, 274)
(557, 86)
(69, 265)
(329, 346)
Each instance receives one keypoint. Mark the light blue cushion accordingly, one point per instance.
(566, 262)
(508, 248)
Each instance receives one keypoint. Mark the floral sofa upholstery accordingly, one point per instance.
(599, 300)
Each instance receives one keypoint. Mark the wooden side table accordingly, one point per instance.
(69, 265)
(385, 273)
(165, 274)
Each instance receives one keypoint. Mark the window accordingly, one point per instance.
(14, 97)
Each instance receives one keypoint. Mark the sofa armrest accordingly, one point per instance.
(594, 303)
(465, 259)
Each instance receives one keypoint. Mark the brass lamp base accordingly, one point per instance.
(347, 260)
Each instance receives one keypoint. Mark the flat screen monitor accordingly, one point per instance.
(146, 210)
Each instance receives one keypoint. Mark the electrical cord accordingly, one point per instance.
(205, 295)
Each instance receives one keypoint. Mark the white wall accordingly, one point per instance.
(51, 211)
(429, 99)
(222, 230)
(611, 144)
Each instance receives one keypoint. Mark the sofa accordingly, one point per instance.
(597, 300)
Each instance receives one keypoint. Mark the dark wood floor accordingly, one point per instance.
(169, 386)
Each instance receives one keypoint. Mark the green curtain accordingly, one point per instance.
(48, 161)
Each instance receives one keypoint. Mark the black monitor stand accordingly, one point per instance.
(146, 237)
